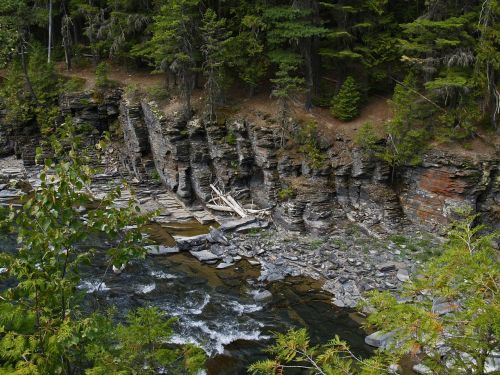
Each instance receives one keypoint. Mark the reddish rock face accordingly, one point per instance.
(443, 183)
(430, 193)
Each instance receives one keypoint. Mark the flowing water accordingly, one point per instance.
(216, 309)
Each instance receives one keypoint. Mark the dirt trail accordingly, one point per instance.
(376, 111)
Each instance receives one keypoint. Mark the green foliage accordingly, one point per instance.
(158, 93)
(465, 276)
(215, 39)
(74, 84)
(43, 329)
(247, 51)
(294, 350)
(173, 45)
(406, 137)
(346, 104)
(307, 136)
(25, 107)
(230, 139)
(284, 86)
(366, 137)
(286, 193)
(139, 347)
(102, 76)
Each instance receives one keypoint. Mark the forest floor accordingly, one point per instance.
(376, 110)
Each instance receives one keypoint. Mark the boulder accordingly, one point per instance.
(403, 275)
(420, 368)
(387, 266)
(216, 236)
(262, 296)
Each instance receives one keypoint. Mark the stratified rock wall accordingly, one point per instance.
(243, 156)
(433, 191)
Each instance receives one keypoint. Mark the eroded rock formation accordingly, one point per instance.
(243, 155)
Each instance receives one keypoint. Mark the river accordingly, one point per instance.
(216, 309)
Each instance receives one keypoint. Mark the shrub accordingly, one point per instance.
(157, 93)
(286, 193)
(366, 137)
(231, 139)
(74, 84)
(345, 105)
(101, 75)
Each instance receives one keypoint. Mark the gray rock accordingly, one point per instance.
(204, 256)
(388, 266)
(262, 296)
(224, 265)
(161, 250)
(185, 243)
(420, 368)
(232, 225)
(379, 339)
(492, 365)
(216, 236)
(403, 275)
(442, 308)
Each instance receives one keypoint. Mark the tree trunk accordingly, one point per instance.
(309, 74)
(24, 67)
(66, 36)
(49, 49)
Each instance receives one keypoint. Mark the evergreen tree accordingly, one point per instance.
(285, 85)
(173, 46)
(345, 105)
(247, 51)
(290, 27)
(215, 39)
(463, 281)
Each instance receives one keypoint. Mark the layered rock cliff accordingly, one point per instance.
(244, 156)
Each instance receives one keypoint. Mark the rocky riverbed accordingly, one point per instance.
(347, 260)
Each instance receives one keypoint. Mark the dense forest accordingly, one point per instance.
(437, 60)
(334, 53)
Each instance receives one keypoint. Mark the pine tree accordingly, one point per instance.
(174, 44)
(290, 27)
(285, 85)
(345, 105)
(215, 40)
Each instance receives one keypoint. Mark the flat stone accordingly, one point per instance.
(492, 365)
(224, 265)
(253, 262)
(185, 243)
(161, 250)
(388, 266)
(216, 236)
(420, 368)
(444, 307)
(204, 256)
(403, 275)
(337, 302)
(379, 339)
(232, 225)
(9, 193)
